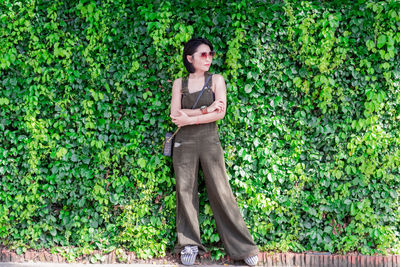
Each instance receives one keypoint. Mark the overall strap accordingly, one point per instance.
(206, 78)
(185, 89)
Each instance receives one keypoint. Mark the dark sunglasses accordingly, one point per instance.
(205, 54)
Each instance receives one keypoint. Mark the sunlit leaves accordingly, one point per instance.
(311, 133)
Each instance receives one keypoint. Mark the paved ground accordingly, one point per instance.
(38, 264)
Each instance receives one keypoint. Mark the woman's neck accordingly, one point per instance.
(196, 75)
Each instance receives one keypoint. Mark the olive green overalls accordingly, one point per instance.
(200, 144)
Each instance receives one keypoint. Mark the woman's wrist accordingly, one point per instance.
(194, 120)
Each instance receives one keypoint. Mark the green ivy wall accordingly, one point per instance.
(311, 134)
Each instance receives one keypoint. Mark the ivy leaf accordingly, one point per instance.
(141, 162)
(370, 44)
(248, 88)
(4, 101)
(381, 41)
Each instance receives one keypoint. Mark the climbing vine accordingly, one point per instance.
(311, 133)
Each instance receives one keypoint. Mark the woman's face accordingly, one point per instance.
(201, 59)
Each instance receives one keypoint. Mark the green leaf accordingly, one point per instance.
(4, 101)
(141, 162)
(248, 88)
(370, 44)
(381, 41)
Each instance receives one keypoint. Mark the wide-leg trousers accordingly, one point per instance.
(199, 145)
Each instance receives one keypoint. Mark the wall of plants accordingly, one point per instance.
(311, 134)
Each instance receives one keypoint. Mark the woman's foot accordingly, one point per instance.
(188, 255)
(251, 261)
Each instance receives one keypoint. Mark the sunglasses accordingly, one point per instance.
(205, 54)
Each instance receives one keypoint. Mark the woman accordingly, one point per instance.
(197, 142)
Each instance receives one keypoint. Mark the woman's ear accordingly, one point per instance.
(189, 58)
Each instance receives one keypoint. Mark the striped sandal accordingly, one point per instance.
(251, 261)
(188, 255)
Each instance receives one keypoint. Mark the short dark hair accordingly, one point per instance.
(190, 48)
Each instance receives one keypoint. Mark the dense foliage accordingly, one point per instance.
(311, 135)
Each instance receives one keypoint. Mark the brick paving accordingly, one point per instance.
(44, 258)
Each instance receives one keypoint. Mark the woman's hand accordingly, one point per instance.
(181, 119)
(216, 105)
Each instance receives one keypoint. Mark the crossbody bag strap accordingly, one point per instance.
(202, 90)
